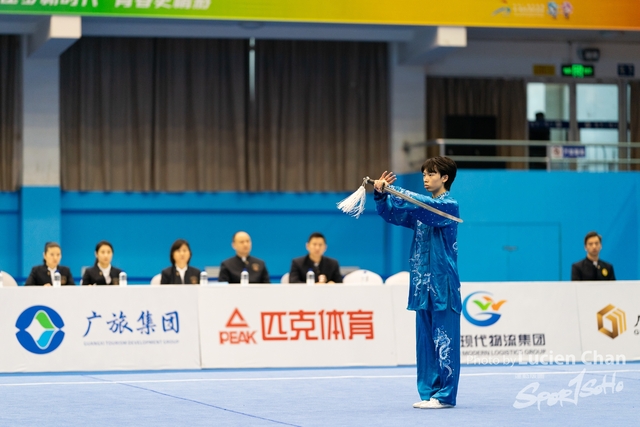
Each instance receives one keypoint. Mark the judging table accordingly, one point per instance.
(97, 328)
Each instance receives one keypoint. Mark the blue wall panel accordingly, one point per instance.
(142, 227)
(39, 223)
(518, 226)
(9, 233)
(576, 202)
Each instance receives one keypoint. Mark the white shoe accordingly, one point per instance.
(419, 404)
(434, 403)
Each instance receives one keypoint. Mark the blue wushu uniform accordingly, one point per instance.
(434, 291)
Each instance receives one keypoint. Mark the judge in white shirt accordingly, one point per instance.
(180, 273)
(102, 272)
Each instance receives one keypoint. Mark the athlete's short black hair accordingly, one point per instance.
(443, 166)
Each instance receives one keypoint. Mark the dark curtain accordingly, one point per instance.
(153, 115)
(178, 115)
(505, 99)
(10, 112)
(321, 118)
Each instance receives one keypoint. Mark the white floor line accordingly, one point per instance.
(341, 377)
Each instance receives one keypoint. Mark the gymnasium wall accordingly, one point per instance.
(9, 232)
(519, 226)
(530, 225)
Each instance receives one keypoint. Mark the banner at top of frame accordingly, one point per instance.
(574, 14)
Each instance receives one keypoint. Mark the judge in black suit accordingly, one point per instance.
(231, 268)
(592, 267)
(102, 272)
(42, 275)
(326, 269)
(180, 273)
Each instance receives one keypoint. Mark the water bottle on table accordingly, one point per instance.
(244, 277)
(57, 279)
(122, 278)
(204, 278)
(311, 277)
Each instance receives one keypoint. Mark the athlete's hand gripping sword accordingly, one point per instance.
(354, 204)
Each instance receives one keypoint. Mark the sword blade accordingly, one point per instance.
(422, 205)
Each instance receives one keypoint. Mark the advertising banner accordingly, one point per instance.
(405, 325)
(296, 326)
(574, 14)
(98, 328)
(609, 321)
(524, 323)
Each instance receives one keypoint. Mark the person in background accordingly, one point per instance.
(102, 272)
(592, 267)
(231, 268)
(180, 273)
(326, 269)
(42, 275)
(538, 131)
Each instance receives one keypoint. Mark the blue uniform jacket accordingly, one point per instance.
(434, 250)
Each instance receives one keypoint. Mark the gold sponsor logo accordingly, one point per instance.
(618, 320)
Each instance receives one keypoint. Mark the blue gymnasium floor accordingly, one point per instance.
(316, 397)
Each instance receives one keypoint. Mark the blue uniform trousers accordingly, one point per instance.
(438, 354)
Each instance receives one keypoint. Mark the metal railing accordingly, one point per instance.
(560, 155)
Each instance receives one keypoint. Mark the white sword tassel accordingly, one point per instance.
(354, 204)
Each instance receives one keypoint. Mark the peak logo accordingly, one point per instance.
(236, 320)
(481, 310)
(618, 320)
(237, 330)
(40, 329)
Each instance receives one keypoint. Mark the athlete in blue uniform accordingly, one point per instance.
(434, 291)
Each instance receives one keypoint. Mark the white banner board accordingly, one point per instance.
(296, 326)
(609, 321)
(191, 327)
(97, 328)
(531, 322)
(404, 324)
(504, 323)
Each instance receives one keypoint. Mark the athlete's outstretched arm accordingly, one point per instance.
(427, 217)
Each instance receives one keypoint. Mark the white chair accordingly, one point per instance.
(213, 271)
(285, 278)
(8, 280)
(346, 269)
(401, 278)
(155, 280)
(363, 277)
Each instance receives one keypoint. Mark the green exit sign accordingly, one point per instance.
(578, 70)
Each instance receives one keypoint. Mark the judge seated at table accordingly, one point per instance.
(231, 269)
(180, 273)
(102, 272)
(42, 275)
(326, 270)
(592, 267)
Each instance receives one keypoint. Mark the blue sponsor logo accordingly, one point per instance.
(40, 329)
